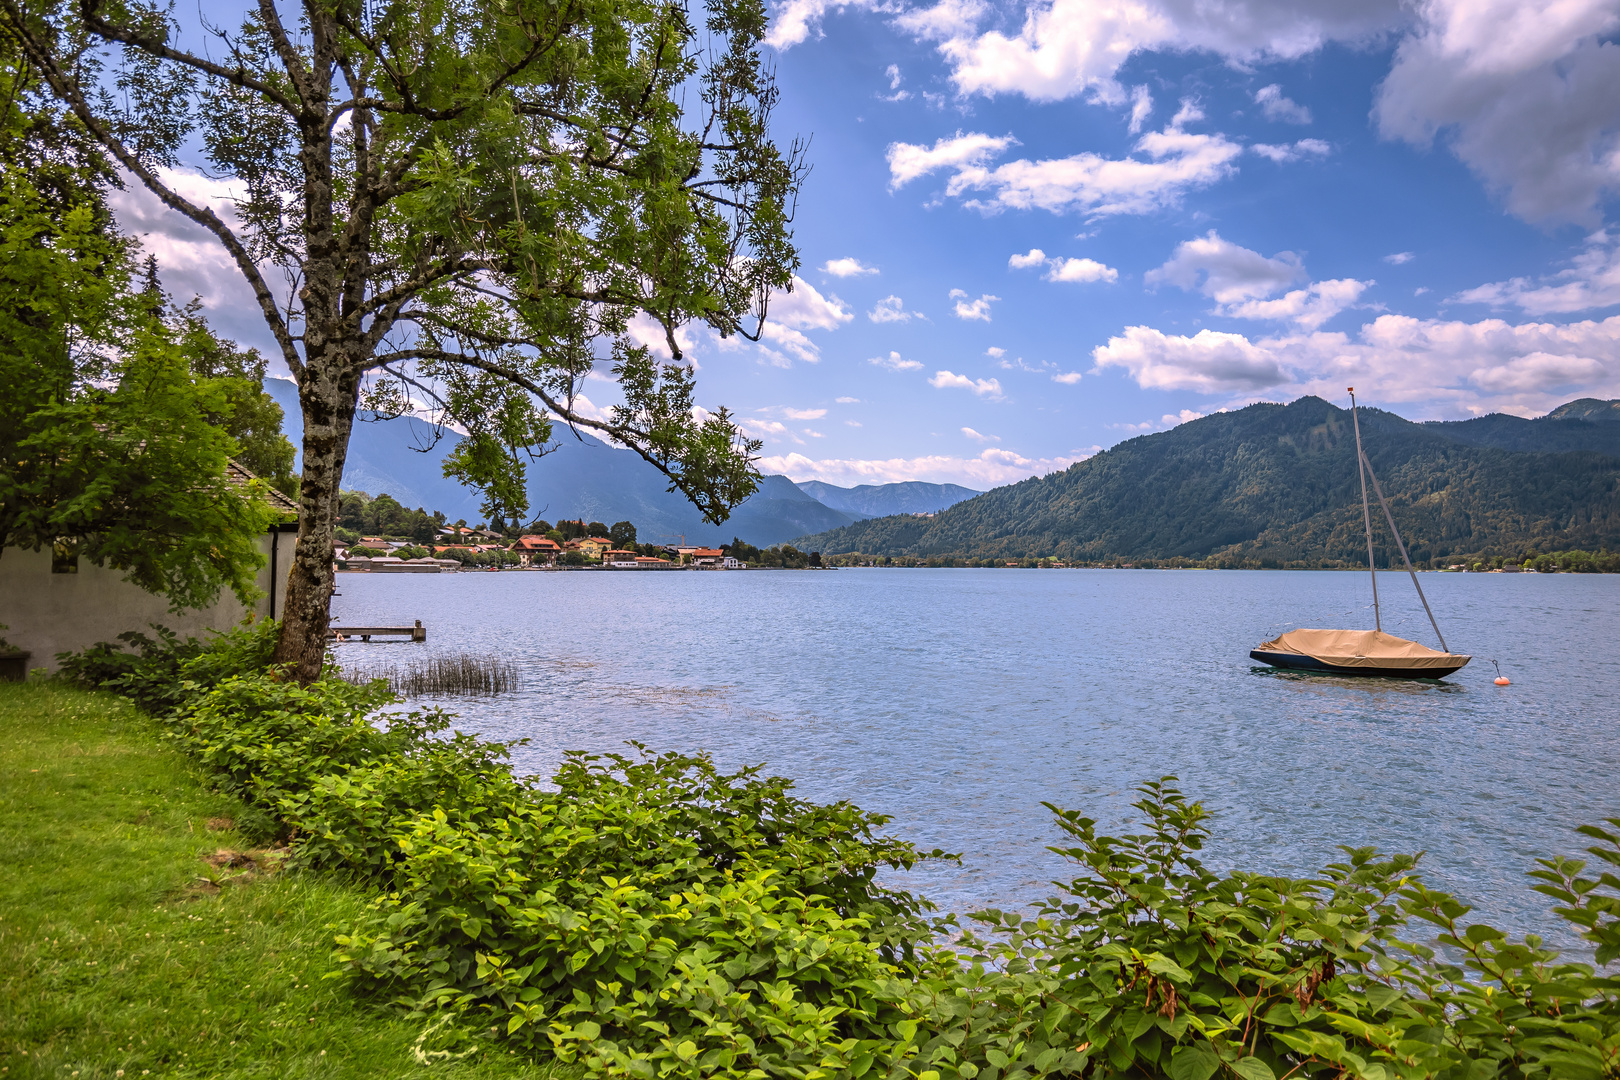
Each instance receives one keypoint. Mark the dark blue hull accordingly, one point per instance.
(1297, 662)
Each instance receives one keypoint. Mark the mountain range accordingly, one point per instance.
(586, 478)
(1276, 485)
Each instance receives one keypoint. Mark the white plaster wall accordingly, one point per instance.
(50, 613)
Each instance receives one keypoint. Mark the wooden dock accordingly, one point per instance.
(365, 633)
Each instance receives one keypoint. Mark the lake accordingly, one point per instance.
(957, 701)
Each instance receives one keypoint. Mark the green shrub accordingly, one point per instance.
(655, 917)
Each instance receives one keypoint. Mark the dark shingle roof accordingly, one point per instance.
(238, 475)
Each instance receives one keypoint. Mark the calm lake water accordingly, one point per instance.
(957, 701)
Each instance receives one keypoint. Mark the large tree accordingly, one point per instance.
(472, 201)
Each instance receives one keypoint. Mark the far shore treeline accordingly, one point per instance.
(1275, 487)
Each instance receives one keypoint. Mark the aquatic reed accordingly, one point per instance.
(457, 674)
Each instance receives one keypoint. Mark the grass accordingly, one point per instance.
(460, 673)
(123, 953)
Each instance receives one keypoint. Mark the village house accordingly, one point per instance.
(590, 547)
(649, 562)
(619, 560)
(707, 557)
(533, 550)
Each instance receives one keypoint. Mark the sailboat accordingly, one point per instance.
(1365, 652)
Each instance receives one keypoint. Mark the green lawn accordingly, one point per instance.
(124, 954)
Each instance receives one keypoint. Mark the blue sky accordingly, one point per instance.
(1033, 230)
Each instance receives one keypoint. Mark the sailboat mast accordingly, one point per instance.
(1366, 510)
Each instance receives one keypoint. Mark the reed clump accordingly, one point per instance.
(458, 674)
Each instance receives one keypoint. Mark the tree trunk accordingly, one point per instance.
(327, 398)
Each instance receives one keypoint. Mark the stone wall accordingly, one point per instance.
(50, 613)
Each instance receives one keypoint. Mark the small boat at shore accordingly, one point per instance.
(1365, 652)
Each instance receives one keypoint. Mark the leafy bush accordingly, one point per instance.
(655, 917)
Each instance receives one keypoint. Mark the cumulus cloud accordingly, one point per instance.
(1080, 270)
(1226, 272)
(1067, 378)
(1282, 153)
(191, 261)
(804, 414)
(978, 437)
(973, 309)
(894, 363)
(892, 309)
(909, 161)
(1592, 280)
(991, 468)
(1069, 48)
(1166, 166)
(849, 267)
(944, 380)
(1456, 368)
(1061, 269)
(806, 309)
(996, 351)
(945, 21)
(1275, 105)
(1399, 258)
(1310, 307)
(1527, 95)
(648, 332)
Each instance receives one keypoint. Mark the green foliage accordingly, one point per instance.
(652, 916)
(623, 535)
(1573, 562)
(1270, 485)
(109, 443)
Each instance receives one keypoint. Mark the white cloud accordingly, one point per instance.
(648, 332)
(973, 309)
(1067, 378)
(1165, 166)
(944, 380)
(892, 73)
(978, 437)
(849, 267)
(1226, 272)
(852, 423)
(996, 351)
(804, 414)
(1061, 269)
(944, 21)
(1172, 419)
(1274, 105)
(892, 309)
(1067, 48)
(769, 429)
(191, 261)
(795, 21)
(1282, 153)
(894, 363)
(1209, 362)
(991, 468)
(848, 400)
(1455, 368)
(1592, 280)
(1141, 108)
(1527, 95)
(908, 161)
(1399, 258)
(1310, 307)
(1080, 270)
(806, 309)
(787, 340)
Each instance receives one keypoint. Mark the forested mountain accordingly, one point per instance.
(1587, 424)
(1276, 485)
(583, 478)
(876, 500)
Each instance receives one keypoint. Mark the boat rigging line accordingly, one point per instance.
(1366, 468)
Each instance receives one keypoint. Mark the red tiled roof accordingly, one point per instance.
(707, 553)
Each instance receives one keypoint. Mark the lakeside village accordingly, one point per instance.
(381, 536)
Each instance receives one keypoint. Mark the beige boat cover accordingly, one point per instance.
(1361, 648)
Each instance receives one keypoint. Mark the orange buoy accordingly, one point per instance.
(1501, 679)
